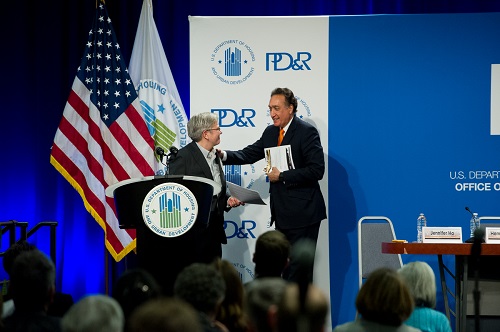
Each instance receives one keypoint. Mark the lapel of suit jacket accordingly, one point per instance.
(221, 172)
(289, 132)
(200, 160)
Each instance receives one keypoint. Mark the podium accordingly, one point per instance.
(169, 215)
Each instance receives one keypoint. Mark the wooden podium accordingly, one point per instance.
(162, 255)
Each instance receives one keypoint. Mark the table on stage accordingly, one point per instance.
(461, 251)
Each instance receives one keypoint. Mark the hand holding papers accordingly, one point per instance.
(268, 167)
(246, 196)
(279, 157)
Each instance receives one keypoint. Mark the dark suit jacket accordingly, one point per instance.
(190, 161)
(296, 202)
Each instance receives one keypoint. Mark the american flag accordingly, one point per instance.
(103, 138)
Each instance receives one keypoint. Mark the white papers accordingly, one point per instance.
(247, 196)
(279, 157)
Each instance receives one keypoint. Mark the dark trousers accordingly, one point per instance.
(207, 242)
(295, 235)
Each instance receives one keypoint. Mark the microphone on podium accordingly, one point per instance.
(471, 240)
(173, 153)
(160, 152)
(467, 209)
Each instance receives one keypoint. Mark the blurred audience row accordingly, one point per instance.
(398, 301)
(207, 297)
(212, 298)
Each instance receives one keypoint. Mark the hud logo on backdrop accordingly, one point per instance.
(237, 173)
(232, 61)
(169, 209)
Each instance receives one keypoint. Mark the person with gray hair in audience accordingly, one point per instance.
(32, 285)
(421, 281)
(94, 313)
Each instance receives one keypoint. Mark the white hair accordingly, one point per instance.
(94, 313)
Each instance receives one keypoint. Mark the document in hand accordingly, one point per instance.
(247, 196)
(279, 157)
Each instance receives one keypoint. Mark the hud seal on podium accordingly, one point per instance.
(169, 209)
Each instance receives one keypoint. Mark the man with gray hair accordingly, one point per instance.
(199, 158)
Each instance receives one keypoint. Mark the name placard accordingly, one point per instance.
(492, 235)
(442, 234)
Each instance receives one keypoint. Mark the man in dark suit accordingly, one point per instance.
(297, 205)
(198, 158)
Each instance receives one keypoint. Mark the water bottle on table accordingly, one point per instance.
(421, 222)
(474, 223)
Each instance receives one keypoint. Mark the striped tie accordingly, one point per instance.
(280, 137)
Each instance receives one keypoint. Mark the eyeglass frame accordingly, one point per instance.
(210, 129)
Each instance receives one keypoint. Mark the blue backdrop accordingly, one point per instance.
(430, 111)
(409, 110)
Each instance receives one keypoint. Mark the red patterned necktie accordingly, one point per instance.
(280, 137)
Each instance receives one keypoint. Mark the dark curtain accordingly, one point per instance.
(42, 44)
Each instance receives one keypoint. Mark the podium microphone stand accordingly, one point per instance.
(169, 157)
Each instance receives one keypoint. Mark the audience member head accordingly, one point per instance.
(421, 281)
(202, 286)
(164, 315)
(32, 281)
(384, 298)
(133, 288)
(230, 312)
(271, 255)
(261, 302)
(94, 313)
(310, 317)
(13, 251)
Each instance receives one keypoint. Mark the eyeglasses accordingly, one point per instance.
(218, 129)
